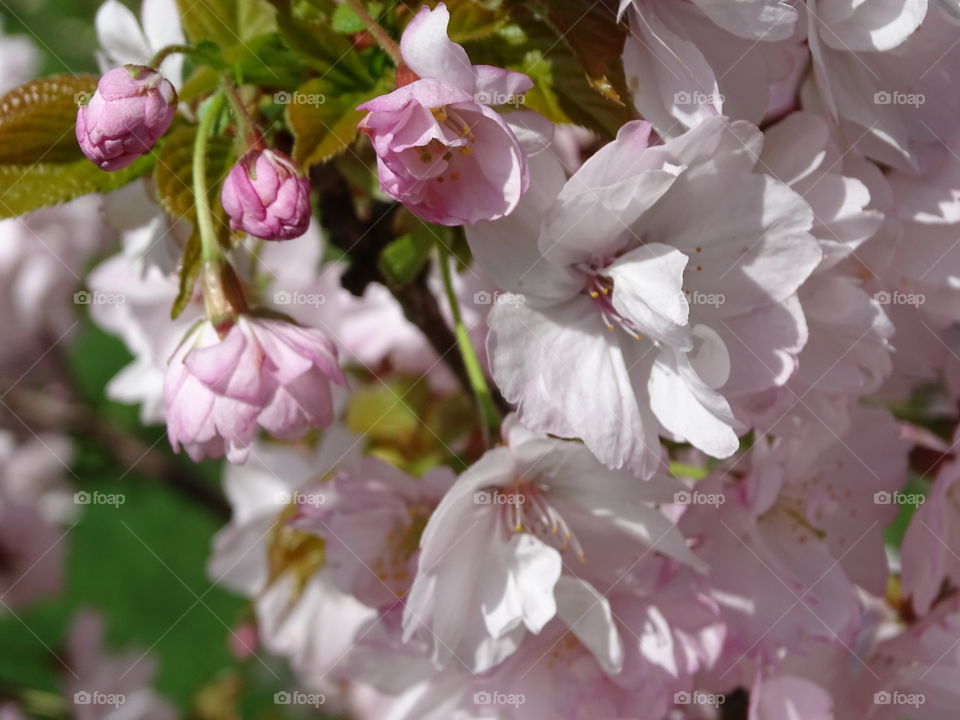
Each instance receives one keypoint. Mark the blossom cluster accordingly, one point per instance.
(661, 426)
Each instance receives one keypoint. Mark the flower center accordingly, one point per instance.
(402, 541)
(527, 509)
(436, 151)
(600, 289)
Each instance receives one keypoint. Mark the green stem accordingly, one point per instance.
(376, 30)
(248, 130)
(489, 417)
(217, 298)
(209, 246)
(167, 51)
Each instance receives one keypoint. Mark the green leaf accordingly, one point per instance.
(346, 21)
(226, 22)
(173, 175)
(24, 188)
(473, 20)
(562, 89)
(37, 120)
(404, 258)
(324, 120)
(312, 37)
(189, 272)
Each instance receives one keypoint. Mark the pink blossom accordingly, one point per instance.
(371, 522)
(528, 532)
(628, 296)
(262, 372)
(441, 149)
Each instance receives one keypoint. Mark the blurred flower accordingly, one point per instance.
(124, 40)
(104, 687)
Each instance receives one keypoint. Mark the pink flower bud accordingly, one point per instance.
(131, 109)
(265, 196)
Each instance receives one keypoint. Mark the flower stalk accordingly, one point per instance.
(489, 417)
(222, 297)
(382, 37)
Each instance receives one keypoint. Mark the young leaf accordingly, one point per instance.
(226, 22)
(311, 36)
(189, 271)
(346, 21)
(324, 120)
(173, 176)
(37, 120)
(473, 20)
(27, 187)
(402, 259)
(591, 30)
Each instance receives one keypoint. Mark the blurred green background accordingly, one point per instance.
(62, 30)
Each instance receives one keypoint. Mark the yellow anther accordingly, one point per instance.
(466, 151)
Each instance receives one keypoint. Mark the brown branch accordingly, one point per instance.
(363, 241)
(45, 411)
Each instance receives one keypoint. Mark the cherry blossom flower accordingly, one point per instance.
(520, 538)
(125, 40)
(687, 62)
(442, 150)
(787, 544)
(626, 293)
(262, 372)
(371, 522)
(100, 685)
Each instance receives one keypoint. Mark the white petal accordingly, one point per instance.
(689, 409)
(648, 289)
(120, 35)
(567, 374)
(587, 613)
